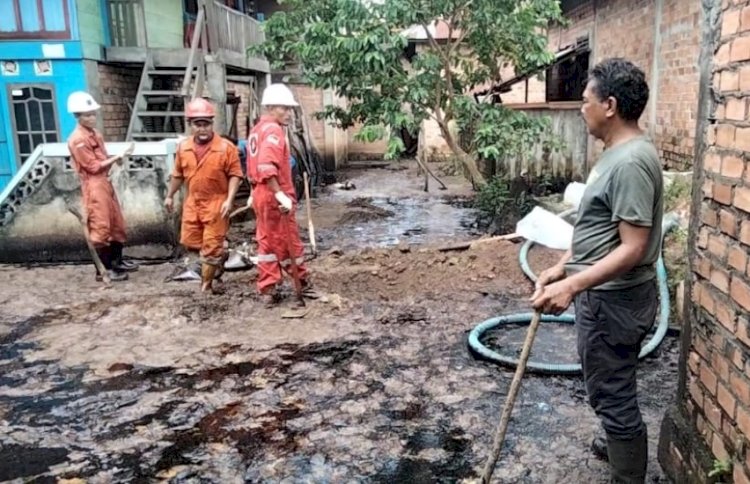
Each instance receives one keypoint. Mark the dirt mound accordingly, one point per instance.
(364, 211)
(387, 274)
(361, 202)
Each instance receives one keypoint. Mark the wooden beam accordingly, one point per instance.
(241, 79)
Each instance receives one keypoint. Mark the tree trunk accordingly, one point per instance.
(468, 161)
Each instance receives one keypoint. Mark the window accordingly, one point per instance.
(34, 117)
(34, 19)
(566, 79)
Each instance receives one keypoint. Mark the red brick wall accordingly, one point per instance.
(311, 101)
(677, 96)
(118, 86)
(581, 24)
(718, 375)
(627, 28)
(244, 92)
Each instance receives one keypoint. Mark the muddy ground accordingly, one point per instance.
(151, 381)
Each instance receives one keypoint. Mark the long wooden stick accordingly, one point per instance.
(474, 243)
(86, 235)
(510, 400)
(293, 259)
(310, 226)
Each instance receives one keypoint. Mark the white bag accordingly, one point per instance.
(546, 228)
(574, 194)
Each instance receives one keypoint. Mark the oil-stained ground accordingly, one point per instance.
(152, 381)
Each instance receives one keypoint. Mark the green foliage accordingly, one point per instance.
(356, 48)
(678, 192)
(500, 206)
(493, 198)
(721, 469)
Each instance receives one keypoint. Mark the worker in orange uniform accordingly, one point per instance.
(104, 218)
(274, 199)
(210, 165)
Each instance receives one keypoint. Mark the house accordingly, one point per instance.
(662, 37)
(141, 58)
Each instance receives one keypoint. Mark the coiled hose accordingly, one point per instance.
(479, 349)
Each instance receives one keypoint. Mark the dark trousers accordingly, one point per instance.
(611, 326)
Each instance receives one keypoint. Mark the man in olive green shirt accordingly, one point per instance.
(610, 268)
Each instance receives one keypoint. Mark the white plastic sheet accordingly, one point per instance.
(546, 228)
(574, 194)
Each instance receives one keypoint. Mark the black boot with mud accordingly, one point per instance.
(599, 448)
(105, 255)
(628, 460)
(118, 264)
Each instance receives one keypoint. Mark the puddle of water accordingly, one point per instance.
(414, 221)
(415, 217)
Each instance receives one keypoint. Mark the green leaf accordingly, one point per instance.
(358, 50)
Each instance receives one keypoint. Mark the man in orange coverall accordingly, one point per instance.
(274, 199)
(211, 167)
(92, 163)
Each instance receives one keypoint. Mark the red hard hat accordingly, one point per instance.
(199, 108)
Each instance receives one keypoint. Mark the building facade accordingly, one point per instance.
(133, 56)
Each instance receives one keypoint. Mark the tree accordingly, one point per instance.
(357, 49)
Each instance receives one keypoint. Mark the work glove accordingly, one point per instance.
(284, 202)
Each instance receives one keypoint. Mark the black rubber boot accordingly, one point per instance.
(628, 459)
(599, 448)
(119, 265)
(105, 255)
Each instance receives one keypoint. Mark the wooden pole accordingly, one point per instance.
(97, 261)
(510, 400)
(310, 226)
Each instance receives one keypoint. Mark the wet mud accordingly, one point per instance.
(153, 382)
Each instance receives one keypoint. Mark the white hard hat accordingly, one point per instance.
(82, 102)
(278, 95)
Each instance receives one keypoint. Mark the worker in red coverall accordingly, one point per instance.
(104, 218)
(274, 199)
(210, 165)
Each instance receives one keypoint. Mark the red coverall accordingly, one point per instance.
(268, 156)
(206, 170)
(104, 217)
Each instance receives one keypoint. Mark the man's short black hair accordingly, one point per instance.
(624, 81)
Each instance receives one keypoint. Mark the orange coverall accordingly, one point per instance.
(207, 179)
(268, 156)
(104, 216)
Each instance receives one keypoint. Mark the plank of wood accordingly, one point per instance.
(474, 243)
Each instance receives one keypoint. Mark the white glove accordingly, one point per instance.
(284, 201)
(250, 201)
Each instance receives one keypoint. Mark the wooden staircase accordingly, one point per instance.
(163, 92)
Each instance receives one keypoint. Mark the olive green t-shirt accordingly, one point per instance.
(625, 185)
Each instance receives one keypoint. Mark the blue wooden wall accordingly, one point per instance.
(68, 73)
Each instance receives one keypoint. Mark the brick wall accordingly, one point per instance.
(611, 26)
(715, 401)
(118, 86)
(311, 101)
(330, 142)
(244, 92)
(677, 96)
